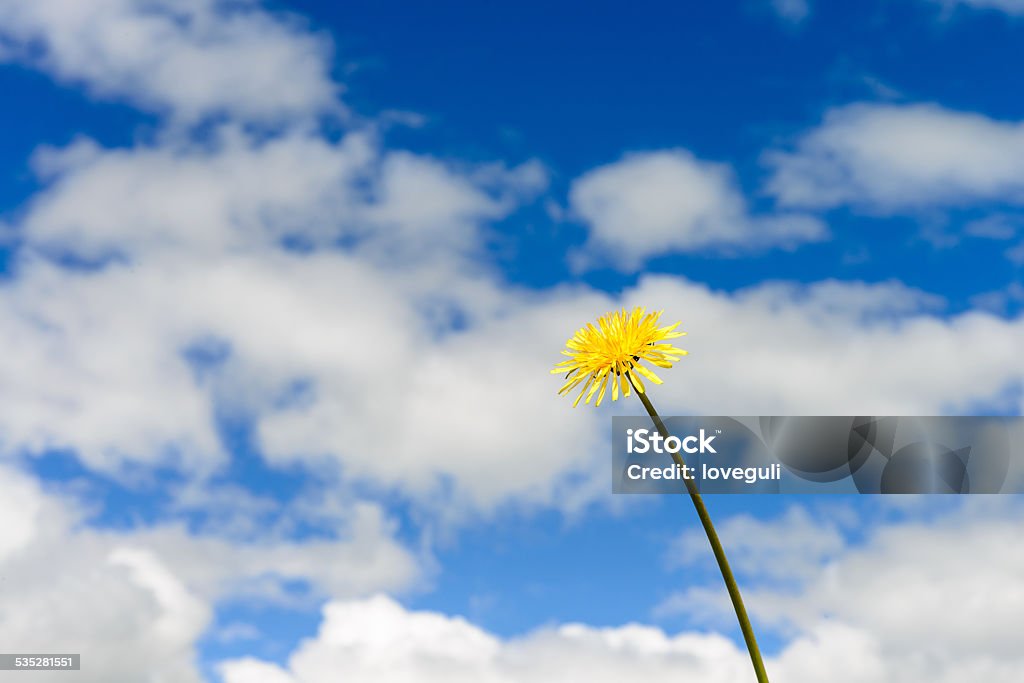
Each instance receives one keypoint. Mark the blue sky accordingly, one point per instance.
(282, 283)
(726, 81)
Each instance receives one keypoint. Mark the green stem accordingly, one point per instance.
(716, 546)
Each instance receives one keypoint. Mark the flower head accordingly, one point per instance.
(611, 354)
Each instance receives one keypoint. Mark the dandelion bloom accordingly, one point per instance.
(612, 351)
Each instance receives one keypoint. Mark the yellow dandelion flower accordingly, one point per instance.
(611, 354)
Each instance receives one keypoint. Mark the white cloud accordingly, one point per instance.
(994, 227)
(787, 551)
(890, 158)
(793, 547)
(83, 371)
(182, 615)
(1016, 254)
(917, 601)
(238, 631)
(20, 507)
(1000, 227)
(427, 205)
(418, 369)
(772, 350)
(394, 392)
(134, 603)
(186, 59)
(892, 608)
(887, 588)
(127, 616)
(938, 595)
(793, 11)
(361, 557)
(999, 300)
(669, 201)
(1013, 7)
(237, 193)
(378, 640)
(389, 399)
(198, 230)
(405, 404)
(408, 354)
(401, 333)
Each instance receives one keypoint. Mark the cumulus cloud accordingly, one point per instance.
(891, 158)
(188, 59)
(120, 608)
(831, 348)
(669, 201)
(932, 597)
(403, 403)
(892, 607)
(387, 397)
(887, 588)
(134, 603)
(334, 294)
(237, 192)
(405, 375)
(378, 640)
(191, 238)
(793, 547)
